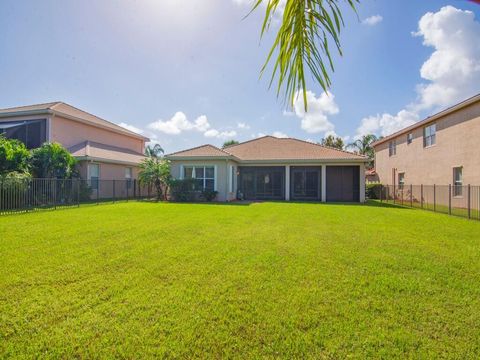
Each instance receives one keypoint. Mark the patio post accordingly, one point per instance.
(287, 182)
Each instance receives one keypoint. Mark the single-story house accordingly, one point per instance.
(270, 168)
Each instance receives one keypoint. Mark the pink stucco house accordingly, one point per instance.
(105, 151)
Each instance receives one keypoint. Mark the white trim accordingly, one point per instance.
(182, 171)
(106, 161)
(215, 182)
(323, 182)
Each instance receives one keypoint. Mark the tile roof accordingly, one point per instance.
(271, 148)
(62, 108)
(201, 151)
(100, 151)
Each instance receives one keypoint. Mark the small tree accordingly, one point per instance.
(229, 143)
(156, 172)
(14, 156)
(363, 146)
(52, 160)
(334, 142)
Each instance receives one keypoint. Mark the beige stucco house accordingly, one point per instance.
(270, 168)
(442, 149)
(105, 151)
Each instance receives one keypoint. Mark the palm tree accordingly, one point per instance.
(363, 146)
(302, 42)
(156, 172)
(155, 151)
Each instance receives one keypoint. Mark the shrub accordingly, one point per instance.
(183, 190)
(52, 160)
(14, 156)
(373, 190)
(209, 195)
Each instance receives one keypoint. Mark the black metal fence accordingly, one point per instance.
(22, 195)
(456, 200)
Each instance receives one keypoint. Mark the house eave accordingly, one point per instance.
(108, 161)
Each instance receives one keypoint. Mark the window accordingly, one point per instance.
(429, 135)
(93, 175)
(392, 148)
(457, 181)
(401, 180)
(204, 175)
(128, 177)
(409, 138)
(33, 133)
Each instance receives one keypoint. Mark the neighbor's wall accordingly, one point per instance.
(69, 133)
(457, 144)
(222, 178)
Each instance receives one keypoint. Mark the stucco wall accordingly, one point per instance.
(69, 133)
(222, 167)
(457, 144)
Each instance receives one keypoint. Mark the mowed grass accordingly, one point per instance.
(269, 280)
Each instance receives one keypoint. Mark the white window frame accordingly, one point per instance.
(392, 148)
(430, 139)
(458, 184)
(409, 138)
(194, 166)
(402, 183)
(89, 174)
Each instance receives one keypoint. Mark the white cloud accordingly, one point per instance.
(213, 133)
(316, 120)
(372, 20)
(131, 128)
(243, 126)
(386, 124)
(279, 134)
(179, 123)
(453, 69)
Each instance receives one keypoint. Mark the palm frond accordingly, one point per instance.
(301, 45)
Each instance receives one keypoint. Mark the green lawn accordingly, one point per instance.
(143, 280)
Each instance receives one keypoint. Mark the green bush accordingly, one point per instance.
(209, 195)
(373, 190)
(14, 157)
(183, 190)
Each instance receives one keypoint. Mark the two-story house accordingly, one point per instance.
(104, 150)
(441, 149)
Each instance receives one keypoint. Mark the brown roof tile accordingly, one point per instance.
(201, 151)
(271, 148)
(105, 152)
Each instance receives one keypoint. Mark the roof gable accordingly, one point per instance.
(269, 148)
(201, 151)
(272, 148)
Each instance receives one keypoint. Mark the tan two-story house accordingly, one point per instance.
(104, 150)
(441, 149)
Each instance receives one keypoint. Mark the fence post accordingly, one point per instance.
(449, 199)
(78, 192)
(134, 188)
(421, 195)
(468, 202)
(381, 193)
(54, 193)
(434, 198)
(126, 188)
(394, 193)
(411, 195)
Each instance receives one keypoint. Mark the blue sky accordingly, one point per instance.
(186, 72)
